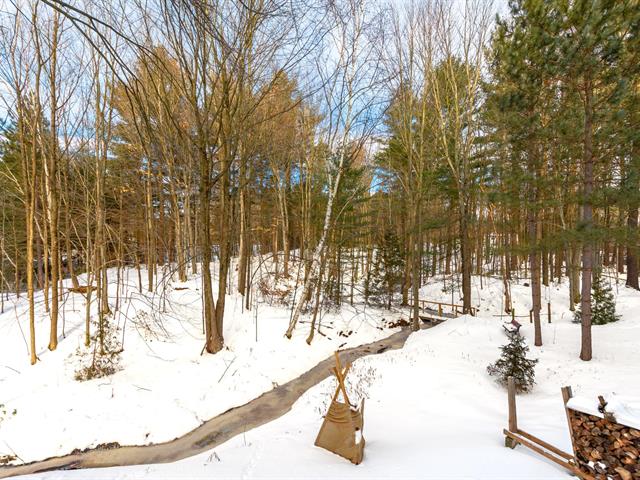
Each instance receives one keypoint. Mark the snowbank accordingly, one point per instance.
(166, 387)
(433, 412)
(626, 410)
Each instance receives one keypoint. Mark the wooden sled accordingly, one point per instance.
(341, 431)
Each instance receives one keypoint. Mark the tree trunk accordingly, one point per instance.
(316, 258)
(224, 247)
(244, 249)
(30, 214)
(465, 251)
(632, 257)
(284, 214)
(213, 342)
(534, 258)
(52, 187)
(587, 221)
(150, 234)
(534, 262)
(632, 218)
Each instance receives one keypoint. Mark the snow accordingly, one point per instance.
(625, 410)
(432, 411)
(165, 387)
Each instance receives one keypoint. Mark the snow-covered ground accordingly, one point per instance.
(433, 412)
(165, 387)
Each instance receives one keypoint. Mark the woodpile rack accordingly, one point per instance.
(602, 447)
(516, 436)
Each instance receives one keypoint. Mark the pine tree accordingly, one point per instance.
(588, 52)
(603, 303)
(513, 362)
(520, 109)
(385, 278)
(12, 237)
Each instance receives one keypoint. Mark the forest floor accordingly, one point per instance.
(236, 421)
(432, 410)
(164, 386)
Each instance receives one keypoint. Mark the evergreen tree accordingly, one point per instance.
(518, 110)
(385, 278)
(351, 219)
(585, 53)
(603, 303)
(513, 362)
(589, 53)
(12, 218)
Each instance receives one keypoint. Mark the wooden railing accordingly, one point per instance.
(529, 316)
(456, 309)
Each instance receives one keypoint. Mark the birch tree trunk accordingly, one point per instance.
(318, 251)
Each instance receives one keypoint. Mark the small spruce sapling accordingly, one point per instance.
(513, 362)
(603, 304)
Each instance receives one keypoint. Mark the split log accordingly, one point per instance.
(605, 449)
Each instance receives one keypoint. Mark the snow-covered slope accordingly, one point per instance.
(433, 412)
(165, 386)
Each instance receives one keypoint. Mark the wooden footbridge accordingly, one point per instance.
(438, 311)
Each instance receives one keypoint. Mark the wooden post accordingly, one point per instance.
(513, 314)
(549, 311)
(340, 375)
(566, 396)
(538, 448)
(440, 309)
(513, 416)
(530, 316)
(514, 436)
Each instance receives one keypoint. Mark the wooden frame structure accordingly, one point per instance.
(341, 431)
(515, 436)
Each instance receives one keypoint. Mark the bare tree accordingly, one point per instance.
(349, 82)
(460, 41)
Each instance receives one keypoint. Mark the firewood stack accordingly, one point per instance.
(604, 448)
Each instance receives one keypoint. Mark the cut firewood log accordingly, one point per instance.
(605, 449)
(624, 474)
